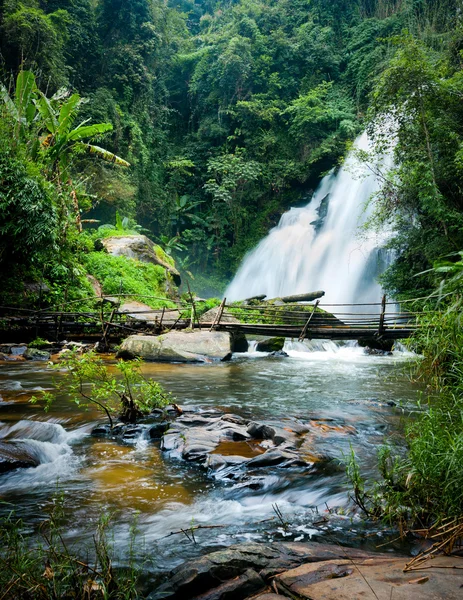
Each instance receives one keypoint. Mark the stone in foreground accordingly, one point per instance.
(179, 346)
(309, 571)
(375, 577)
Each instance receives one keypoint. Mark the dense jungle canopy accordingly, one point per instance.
(228, 113)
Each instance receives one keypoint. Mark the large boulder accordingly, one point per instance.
(179, 346)
(15, 455)
(141, 248)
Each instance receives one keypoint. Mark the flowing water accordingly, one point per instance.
(338, 387)
(309, 250)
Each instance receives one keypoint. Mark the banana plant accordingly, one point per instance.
(21, 108)
(62, 140)
(30, 107)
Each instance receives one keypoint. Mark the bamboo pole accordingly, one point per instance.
(306, 326)
(218, 316)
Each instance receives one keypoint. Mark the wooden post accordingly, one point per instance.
(381, 328)
(193, 307)
(218, 316)
(306, 326)
(106, 330)
(162, 317)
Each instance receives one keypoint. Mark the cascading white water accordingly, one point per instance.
(295, 258)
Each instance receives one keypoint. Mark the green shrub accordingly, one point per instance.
(88, 380)
(121, 275)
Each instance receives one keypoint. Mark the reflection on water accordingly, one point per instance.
(339, 392)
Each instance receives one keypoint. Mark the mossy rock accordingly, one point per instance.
(274, 344)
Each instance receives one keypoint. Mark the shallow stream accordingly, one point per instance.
(357, 401)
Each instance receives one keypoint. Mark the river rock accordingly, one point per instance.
(273, 344)
(201, 577)
(267, 431)
(195, 437)
(6, 348)
(141, 248)
(18, 349)
(15, 455)
(179, 346)
(376, 343)
(276, 457)
(358, 578)
(36, 354)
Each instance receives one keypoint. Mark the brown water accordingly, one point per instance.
(341, 392)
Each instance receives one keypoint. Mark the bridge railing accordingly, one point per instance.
(296, 320)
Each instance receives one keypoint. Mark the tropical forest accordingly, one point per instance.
(231, 299)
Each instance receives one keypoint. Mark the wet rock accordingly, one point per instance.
(158, 430)
(234, 419)
(217, 462)
(239, 342)
(238, 588)
(179, 346)
(194, 437)
(279, 354)
(35, 354)
(131, 432)
(274, 344)
(6, 348)
(260, 431)
(272, 458)
(195, 579)
(376, 352)
(125, 432)
(279, 435)
(18, 349)
(101, 431)
(14, 455)
(376, 343)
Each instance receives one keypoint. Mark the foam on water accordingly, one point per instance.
(50, 444)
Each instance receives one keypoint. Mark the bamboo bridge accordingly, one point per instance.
(116, 317)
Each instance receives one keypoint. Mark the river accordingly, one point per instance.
(357, 401)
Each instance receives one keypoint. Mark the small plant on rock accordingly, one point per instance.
(88, 380)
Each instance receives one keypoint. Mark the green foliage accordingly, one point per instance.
(414, 103)
(123, 226)
(89, 381)
(425, 485)
(51, 569)
(28, 215)
(120, 275)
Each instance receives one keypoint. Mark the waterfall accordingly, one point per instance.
(318, 246)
